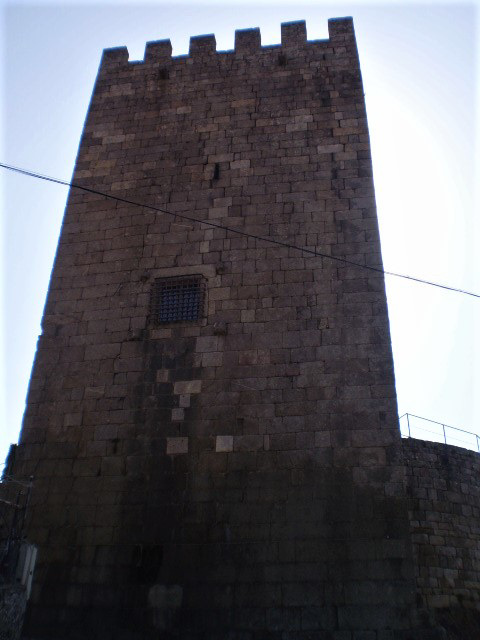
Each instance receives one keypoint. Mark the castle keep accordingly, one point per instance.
(212, 421)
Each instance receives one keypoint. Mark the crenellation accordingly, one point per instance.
(341, 28)
(247, 41)
(294, 34)
(114, 57)
(201, 46)
(158, 51)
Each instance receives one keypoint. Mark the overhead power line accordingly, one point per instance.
(215, 225)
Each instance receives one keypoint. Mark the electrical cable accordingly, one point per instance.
(215, 225)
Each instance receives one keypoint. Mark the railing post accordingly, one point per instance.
(444, 434)
(408, 423)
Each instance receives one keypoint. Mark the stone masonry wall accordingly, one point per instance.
(443, 486)
(12, 609)
(238, 476)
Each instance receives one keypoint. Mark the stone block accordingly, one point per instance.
(162, 375)
(302, 594)
(178, 414)
(321, 618)
(205, 344)
(184, 401)
(224, 444)
(177, 445)
(72, 419)
(187, 387)
(214, 359)
(248, 315)
(112, 466)
(248, 443)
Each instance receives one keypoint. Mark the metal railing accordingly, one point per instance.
(412, 426)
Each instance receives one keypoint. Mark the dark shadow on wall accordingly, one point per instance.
(459, 623)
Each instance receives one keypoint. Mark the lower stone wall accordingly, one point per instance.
(12, 609)
(443, 489)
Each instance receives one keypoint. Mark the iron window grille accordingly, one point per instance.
(177, 299)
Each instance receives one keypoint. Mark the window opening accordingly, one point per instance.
(177, 299)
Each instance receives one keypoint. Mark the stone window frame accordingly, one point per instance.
(177, 299)
(206, 271)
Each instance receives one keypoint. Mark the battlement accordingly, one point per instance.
(247, 42)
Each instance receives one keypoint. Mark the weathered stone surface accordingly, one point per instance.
(443, 485)
(12, 609)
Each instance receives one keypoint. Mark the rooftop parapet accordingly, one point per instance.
(294, 34)
(340, 27)
(115, 56)
(247, 41)
(158, 51)
(202, 45)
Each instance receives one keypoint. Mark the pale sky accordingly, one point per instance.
(420, 71)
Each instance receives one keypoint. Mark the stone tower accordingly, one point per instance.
(212, 420)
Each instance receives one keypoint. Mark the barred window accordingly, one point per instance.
(177, 299)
